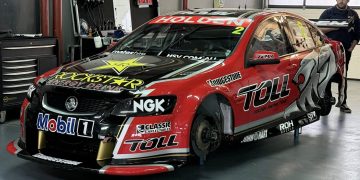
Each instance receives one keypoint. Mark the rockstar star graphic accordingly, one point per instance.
(120, 66)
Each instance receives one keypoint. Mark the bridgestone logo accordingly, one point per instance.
(256, 136)
(224, 79)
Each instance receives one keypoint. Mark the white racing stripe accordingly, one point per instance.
(56, 160)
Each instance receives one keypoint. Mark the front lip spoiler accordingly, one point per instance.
(116, 170)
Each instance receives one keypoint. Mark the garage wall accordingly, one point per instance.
(250, 4)
(169, 6)
(200, 4)
(314, 14)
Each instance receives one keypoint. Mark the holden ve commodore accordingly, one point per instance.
(176, 88)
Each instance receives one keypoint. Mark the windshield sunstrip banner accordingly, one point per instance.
(224, 21)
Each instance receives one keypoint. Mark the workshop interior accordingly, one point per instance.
(163, 89)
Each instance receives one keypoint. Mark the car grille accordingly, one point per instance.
(72, 147)
(85, 104)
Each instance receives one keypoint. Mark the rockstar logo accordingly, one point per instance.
(120, 66)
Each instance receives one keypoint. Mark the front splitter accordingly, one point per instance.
(116, 170)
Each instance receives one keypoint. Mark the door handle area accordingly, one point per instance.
(292, 67)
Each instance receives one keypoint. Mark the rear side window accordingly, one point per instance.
(269, 37)
(301, 36)
(316, 35)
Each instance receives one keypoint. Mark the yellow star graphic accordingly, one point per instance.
(120, 66)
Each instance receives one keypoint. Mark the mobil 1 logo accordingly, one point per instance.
(69, 126)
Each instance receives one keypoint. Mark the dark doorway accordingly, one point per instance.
(141, 15)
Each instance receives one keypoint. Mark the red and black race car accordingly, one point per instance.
(176, 88)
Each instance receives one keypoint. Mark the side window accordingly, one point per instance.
(269, 37)
(316, 35)
(301, 36)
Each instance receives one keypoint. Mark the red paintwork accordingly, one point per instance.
(11, 148)
(135, 170)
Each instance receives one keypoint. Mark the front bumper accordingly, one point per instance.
(120, 170)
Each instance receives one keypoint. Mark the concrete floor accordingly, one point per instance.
(328, 150)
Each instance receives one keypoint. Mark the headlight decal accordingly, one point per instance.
(30, 91)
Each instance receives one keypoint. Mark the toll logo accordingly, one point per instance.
(254, 93)
(70, 126)
(152, 143)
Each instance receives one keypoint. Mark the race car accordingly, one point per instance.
(178, 87)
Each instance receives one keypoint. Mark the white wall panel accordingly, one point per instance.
(169, 6)
(122, 14)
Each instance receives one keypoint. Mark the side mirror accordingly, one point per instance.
(264, 57)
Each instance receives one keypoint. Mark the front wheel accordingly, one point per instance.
(205, 136)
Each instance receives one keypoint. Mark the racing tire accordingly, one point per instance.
(325, 105)
(205, 136)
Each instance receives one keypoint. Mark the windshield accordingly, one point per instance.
(182, 41)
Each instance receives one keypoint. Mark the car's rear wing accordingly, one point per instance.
(330, 23)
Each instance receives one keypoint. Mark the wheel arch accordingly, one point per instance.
(218, 107)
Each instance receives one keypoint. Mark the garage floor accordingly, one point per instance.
(328, 150)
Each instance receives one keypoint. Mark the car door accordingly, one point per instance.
(307, 73)
(265, 95)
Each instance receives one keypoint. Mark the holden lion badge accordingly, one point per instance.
(71, 103)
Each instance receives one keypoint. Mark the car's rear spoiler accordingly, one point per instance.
(330, 23)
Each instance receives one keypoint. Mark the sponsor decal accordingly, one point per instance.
(311, 116)
(128, 52)
(270, 87)
(229, 78)
(286, 127)
(312, 77)
(152, 143)
(153, 128)
(72, 126)
(57, 160)
(94, 81)
(224, 21)
(120, 66)
(264, 56)
(148, 105)
(256, 136)
(191, 57)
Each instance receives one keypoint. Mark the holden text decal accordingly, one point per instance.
(224, 21)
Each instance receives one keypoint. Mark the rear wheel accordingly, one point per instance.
(326, 104)
(205, 136)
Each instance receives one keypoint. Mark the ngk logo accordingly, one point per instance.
(149, 105)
